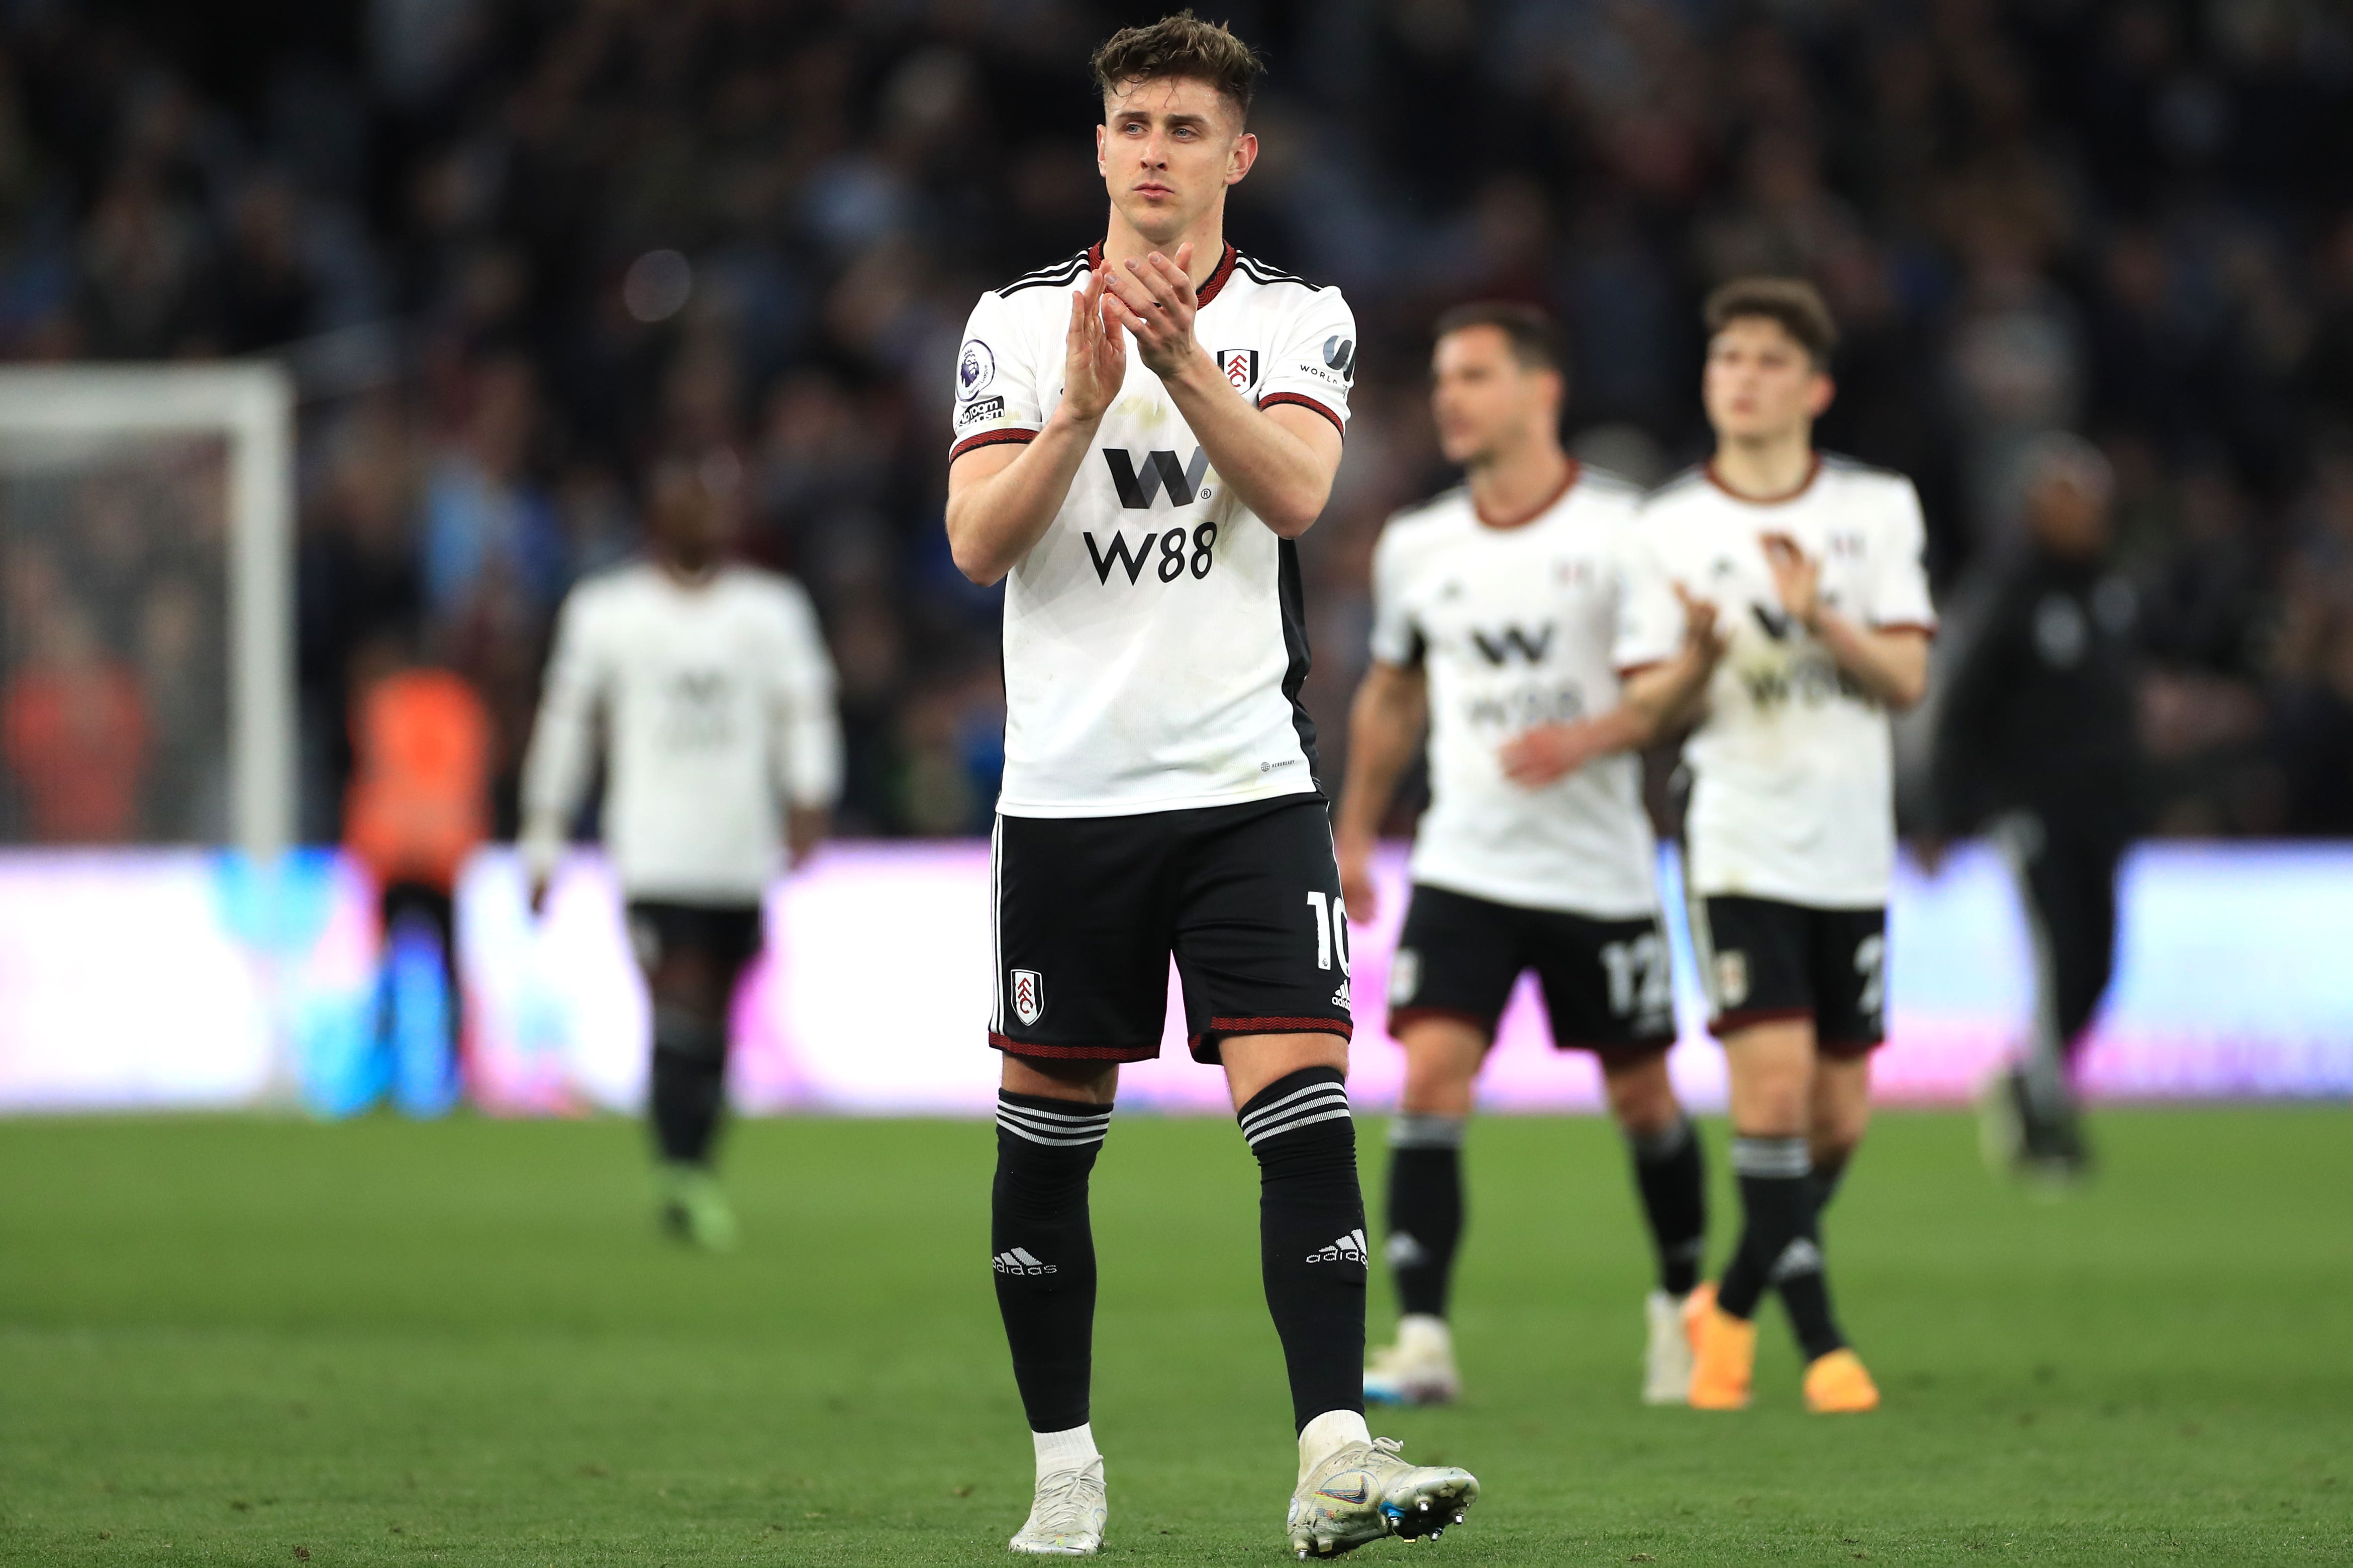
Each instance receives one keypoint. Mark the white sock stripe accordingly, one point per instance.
(1255, 1139)
(1095, 1134)
(1335, 1095)
(1413, 1130)
(1772, 1157)
(1039, 1114)
(1043, 1113)
(1050, 1140)
(1247, 1117)
(1314, 1093)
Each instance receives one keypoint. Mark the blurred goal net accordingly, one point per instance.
(146, 659)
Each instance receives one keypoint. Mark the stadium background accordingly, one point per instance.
(510, 250)
(509, 254)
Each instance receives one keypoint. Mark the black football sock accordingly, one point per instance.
(1830, 1169)
(1670, 1173)
(1044, 1248)
(1311, 1227)
(1805, 1289)
(690, 1084)
(1425, 1208)
(1775, 1201)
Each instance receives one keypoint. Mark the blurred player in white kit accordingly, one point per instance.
(1814, 565)
(1520, 617)
(704, 689)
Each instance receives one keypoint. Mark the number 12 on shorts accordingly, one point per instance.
(1331, 930)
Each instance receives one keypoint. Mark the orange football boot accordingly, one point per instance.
(1724, 1351)
(1836, 1385)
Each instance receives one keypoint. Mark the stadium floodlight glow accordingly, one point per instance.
(48, 411)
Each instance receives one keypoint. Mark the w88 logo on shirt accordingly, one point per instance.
(1174, 554)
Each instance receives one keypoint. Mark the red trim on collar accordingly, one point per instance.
(1209, 287)
(1217, 276)
(1576, 469)
(1784, 499)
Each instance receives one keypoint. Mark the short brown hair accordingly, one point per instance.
(1795, 303)
(1181, 46)
(1533, 336)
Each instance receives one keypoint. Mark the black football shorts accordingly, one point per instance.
(1763, 959)
(1607, 985)
(1089, 908)
(724, 936)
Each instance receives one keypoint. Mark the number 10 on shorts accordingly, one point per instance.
(1331, 930)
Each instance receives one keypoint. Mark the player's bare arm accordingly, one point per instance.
(1279, 462)
(1891, 664)
(1001, 499)
(1650, 700)
(1385, 728)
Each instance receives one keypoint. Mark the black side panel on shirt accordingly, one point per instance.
(1294, 599)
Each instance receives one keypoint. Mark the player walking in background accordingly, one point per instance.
(2036, 740)
(1520, 617)
(706, 687)
(1159, 784)
(1814, 566)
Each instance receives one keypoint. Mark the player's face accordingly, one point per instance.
(690, 522)
(1482, 399)
(1168, 148)
(2068, 514)
(1760, 383)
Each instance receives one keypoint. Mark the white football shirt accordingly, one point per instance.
(1515, 628)
(715, 704)
(1793, 773)
(1154, 640)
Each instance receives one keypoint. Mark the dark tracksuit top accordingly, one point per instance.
(2036, 739)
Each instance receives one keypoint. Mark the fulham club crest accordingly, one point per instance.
(1028, 996)
(1239, 366)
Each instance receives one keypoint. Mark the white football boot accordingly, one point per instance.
(1363, 1491)
(1066, 1520)
(1667, 1365)
(1416, 1370)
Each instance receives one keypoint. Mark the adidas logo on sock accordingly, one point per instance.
(1800, 1257)
(1349, 1248)
(1017, 1261)
(1404, 1252)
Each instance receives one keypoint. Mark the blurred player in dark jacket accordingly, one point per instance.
(2036, 747)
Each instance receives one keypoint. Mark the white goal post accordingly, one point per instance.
(249, 407)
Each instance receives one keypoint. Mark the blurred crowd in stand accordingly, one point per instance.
(515, 249)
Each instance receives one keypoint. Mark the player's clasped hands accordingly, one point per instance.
(1796, 577)
(1549, 752)
(1152, 298)
(1095, 358)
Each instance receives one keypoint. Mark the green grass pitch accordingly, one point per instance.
(243, 1340)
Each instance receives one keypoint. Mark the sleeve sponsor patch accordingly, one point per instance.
(976, 368)
(984, 408)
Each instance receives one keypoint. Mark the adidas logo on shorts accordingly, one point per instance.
(1349, 1248)
(1019, 1262)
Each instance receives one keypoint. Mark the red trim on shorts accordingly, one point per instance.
(1340, 1027)
(990, 439)
(1849, 1050)
(1272, 398)
(1014, 1047)
(1624, 1053)
(1925, 628)
(1725, 1023)
(1404, 1018)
